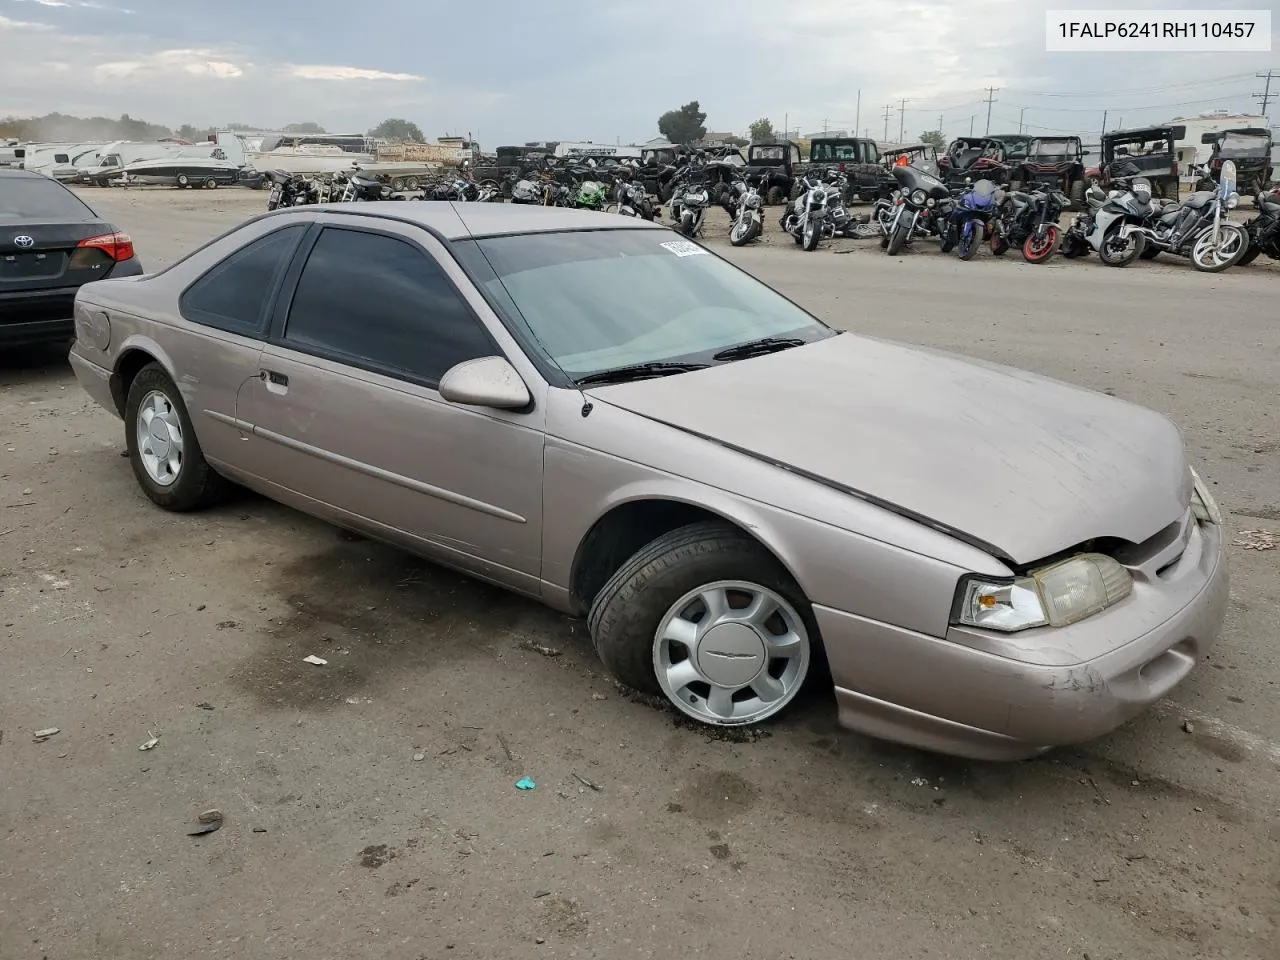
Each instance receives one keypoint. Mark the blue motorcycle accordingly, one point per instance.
(970, 219)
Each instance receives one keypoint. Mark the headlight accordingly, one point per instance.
(1203, 506)
(1054, 596)
(1233, 201)
(918, 198)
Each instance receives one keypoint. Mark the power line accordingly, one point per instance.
(991, 98)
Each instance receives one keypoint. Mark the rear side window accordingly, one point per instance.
(232, 296)
(380, 302)
(34, 198)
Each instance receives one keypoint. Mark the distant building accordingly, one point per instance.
(825, 133)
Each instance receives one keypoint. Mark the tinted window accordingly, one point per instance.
(28, 198)
(383, 302)
(233, 295)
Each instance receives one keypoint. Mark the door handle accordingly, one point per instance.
(276, 382)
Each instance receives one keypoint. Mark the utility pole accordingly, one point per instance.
(902, 119)
(888, 109)
(971, 116)
(991, 98)
(939, 123)
(786, 133)
(1264, 97)
(1104, 128)
(824, 125)
(1022, 114)
(858, 117)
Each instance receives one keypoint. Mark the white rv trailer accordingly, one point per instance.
(597, 150)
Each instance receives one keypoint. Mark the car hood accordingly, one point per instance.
(1017, 464)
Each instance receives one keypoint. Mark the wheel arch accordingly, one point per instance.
(639, 519)
(136, 353)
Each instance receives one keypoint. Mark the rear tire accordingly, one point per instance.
(194, 484)
(1077, 195)
(1250, 255)
(211, 184)
(774, 196)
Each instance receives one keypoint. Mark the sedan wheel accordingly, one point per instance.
(163, 450)
(707, 617)
(731, 652)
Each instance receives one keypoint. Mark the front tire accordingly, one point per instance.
(775, 196)
(1037, 249)
(1233, 242)
(163, 450)
(898, 237)
(707, 617)
(1115, 255)
(971, 233)
(810, 236)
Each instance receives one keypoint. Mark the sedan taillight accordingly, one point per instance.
(118, 246)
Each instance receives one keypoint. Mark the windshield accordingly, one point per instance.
(767, 153)
(1245, 143)
(1055, 147)
(597, 300)
(32, 198)
(834, 151)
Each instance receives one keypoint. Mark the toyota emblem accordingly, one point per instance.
(24, 241)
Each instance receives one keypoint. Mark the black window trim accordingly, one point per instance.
(283, 302)
(197, 316)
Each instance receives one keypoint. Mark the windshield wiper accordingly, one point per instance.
(638, 371)
(758, 348)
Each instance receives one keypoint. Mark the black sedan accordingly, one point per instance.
(50, 244)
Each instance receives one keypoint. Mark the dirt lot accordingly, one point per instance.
(370, 808)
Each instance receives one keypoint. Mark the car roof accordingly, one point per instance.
(462, 221)
(8, 173)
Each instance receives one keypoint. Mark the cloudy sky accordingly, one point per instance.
(602, 70)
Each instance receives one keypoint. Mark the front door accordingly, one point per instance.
(350, 419)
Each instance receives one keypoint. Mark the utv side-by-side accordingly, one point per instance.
(1056, 162)
(1249, 148)
(856, 157)
(974, 158)
(1148, 152)
(771, 168)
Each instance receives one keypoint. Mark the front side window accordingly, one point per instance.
(233, 295)
(380, 302)
(597, 300)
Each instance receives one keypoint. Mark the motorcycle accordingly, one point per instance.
(971, 219)
(631, 199)
(745, 206)
(689, 201)
(1111, 226)
(1197, 227)
(290, 190)
(354, 187)
(922, 205)
(1264, 229)
(590, 195)
(1029, 221)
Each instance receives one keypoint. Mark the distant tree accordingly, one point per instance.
(188, 132)
(685, 125)
(397, 129)
(735, 141)
(934, 138)
(241, 126)
(762, 129)
(308, 127)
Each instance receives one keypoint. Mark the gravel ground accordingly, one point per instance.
(369, 805)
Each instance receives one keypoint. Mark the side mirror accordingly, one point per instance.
(1208, 138)
(485, 382)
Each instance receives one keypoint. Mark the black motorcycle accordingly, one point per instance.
(1264, 229)
(290, 190)
(923, 205)
(1029, 221)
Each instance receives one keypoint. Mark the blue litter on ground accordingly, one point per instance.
(524, 783)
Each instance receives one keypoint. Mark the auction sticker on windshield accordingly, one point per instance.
(683, 248)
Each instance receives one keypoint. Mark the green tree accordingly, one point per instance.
(735, 141)
(308, 127)
(934, 138)
(762, 129)
(397, 129)
(685, 125)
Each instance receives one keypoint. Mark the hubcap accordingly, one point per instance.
(731, 652)
(159, 438)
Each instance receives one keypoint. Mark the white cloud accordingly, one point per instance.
(82, 4)
(6, 25)
(314, 72)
